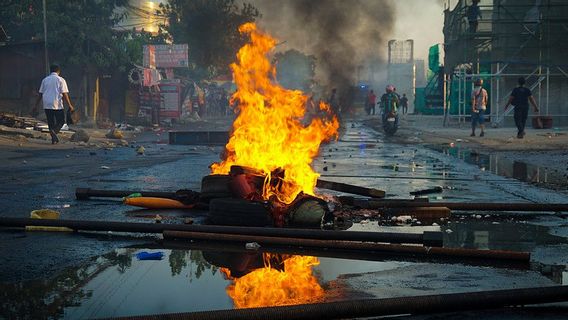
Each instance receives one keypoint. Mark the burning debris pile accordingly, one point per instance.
(268, 134)
(270, 151)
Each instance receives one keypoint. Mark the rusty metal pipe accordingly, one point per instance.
(351, 245)
(349, 188)
(467, 206)
(328, 253)
(428, 238)
(428, 304)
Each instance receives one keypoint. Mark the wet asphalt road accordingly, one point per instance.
(361, 156)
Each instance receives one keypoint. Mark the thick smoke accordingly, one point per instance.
(343, 35)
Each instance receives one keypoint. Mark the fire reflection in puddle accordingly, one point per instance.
(284, 280)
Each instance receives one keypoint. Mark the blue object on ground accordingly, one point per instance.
(150, 255)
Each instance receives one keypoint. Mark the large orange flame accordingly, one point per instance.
(268, 286)
(268, 133)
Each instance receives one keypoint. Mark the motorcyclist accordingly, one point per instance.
(389, 104)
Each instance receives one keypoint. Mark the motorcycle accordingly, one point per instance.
(390, 123)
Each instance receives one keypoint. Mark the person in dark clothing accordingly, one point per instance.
(520, 98)
(473, 13)
(334, 101)
(404, 103)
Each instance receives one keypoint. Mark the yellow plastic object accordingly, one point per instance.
(156, 203)
(46, 214)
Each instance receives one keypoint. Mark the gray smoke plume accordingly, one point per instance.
(342, 34)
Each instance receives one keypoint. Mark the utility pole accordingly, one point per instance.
(46, 58)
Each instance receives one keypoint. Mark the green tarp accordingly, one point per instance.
(434, 58)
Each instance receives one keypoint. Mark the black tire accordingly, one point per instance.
(215, 186)
(390, 132)
(238, 212)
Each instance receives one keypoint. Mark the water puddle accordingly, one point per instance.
(118, 284)
(200, 277)
(501, 166)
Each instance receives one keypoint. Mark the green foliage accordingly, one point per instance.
(295, 70)
(80, 33)
(210, 28)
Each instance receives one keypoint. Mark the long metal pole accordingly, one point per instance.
(460, 97)
(46, 57)
(370, 308)
(474, 206)
(497, 94)
(237, 247)
(354, 245)
(86, 193)
(431, 238)
(547, 88)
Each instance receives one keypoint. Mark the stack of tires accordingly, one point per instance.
(225, 209)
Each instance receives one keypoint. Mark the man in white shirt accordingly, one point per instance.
(51, 92)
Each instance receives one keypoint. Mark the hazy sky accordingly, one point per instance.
(420, 20)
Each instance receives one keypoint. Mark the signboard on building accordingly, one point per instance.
(170, 104)
(401, 51)
(166, 56)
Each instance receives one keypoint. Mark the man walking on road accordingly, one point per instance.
(51, 92)
(520, 98)
(404, 103)
(478, 107)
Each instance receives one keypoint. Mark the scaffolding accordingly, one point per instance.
(522, 38)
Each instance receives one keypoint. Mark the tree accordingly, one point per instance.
(210, 28)
(80, 33)
(295, 70)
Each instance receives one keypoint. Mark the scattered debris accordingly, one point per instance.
(80, 136)
(46, 214)
(114, 133)
(150, 255)
(252, 246)
(436, 189)
(13, 121)
(140, 150)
